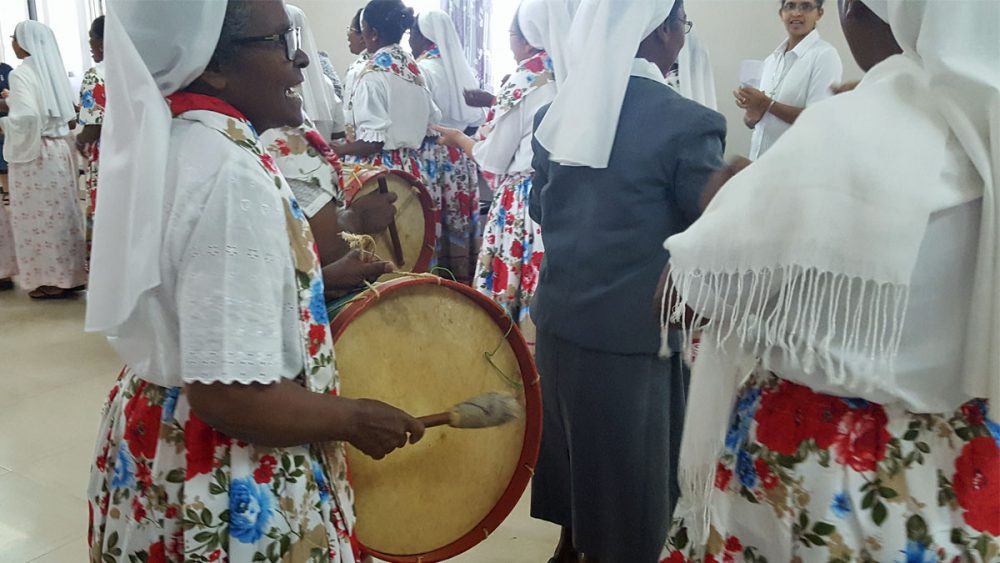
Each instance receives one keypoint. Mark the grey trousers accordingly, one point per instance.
(611, 436)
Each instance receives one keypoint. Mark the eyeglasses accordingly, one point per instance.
(291, 38)
(803, 7)
(688, 25)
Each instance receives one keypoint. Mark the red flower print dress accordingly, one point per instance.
(812, 477)
(165, 486)
(512, 251)
(93, 99)
(392, 60)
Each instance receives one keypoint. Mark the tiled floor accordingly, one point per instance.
(53, 380)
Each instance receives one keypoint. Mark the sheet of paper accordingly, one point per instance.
(750, 73)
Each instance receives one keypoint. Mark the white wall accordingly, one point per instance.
(735, 30)
(329, 20)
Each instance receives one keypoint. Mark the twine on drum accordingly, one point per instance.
(365, 244)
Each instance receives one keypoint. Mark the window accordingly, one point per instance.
(501, 60)
(14, 12)
(70, 21)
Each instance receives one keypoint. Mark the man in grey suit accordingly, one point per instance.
(613, 408)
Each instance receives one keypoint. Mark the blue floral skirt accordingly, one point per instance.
(165, 486)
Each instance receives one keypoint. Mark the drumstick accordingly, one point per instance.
(484, 411)
(397, 247)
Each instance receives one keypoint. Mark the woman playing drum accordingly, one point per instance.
(208, 285)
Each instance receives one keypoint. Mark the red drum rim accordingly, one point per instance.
(532, 411)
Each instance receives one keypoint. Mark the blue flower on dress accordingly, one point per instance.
(448, 167)
(530, 79)
(249, 510)
(918, 553)
(739, 426)
(169, 404)
(547, 61)
(994, 429)
(745, 469)
(317, 303)
(124, 475)
(432, 168)
(841, 505)
(87, 100)
(324, 488)
(296, 210)
(856, 404)
(384, 60)
(501, 216)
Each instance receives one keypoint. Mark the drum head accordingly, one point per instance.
(422, 345)
(414, 221)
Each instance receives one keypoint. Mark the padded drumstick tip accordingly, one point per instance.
(485, 411)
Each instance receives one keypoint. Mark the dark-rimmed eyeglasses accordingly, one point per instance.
(688, 25)
(291, 38)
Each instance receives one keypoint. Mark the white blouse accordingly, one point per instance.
(798, 78)
(388, 109)
(26, 122)
(351, 77)
(507, 148)
(227, 309)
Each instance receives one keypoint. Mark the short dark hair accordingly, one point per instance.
(97, 28)
(356, 21)
(390, 18)
(819, 3)
(233, 27)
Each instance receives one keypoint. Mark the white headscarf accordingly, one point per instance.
(957, 45)
(57, 97)
(439, 28)
(580, 126)
(546, 25)
(878, 7)
(154, 48)
(694, 66)
(771, 255)
(314, 98)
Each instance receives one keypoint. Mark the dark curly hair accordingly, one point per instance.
(390, 18)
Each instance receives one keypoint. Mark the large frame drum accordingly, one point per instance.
(415, 215)
(424, 344)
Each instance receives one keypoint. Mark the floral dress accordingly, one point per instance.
(165, 486)
(456, 180)
(512, 251)
(309, 164)
(92, 103)
(392, 60)
(812, 477)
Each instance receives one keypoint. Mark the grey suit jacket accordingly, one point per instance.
(603, 230)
